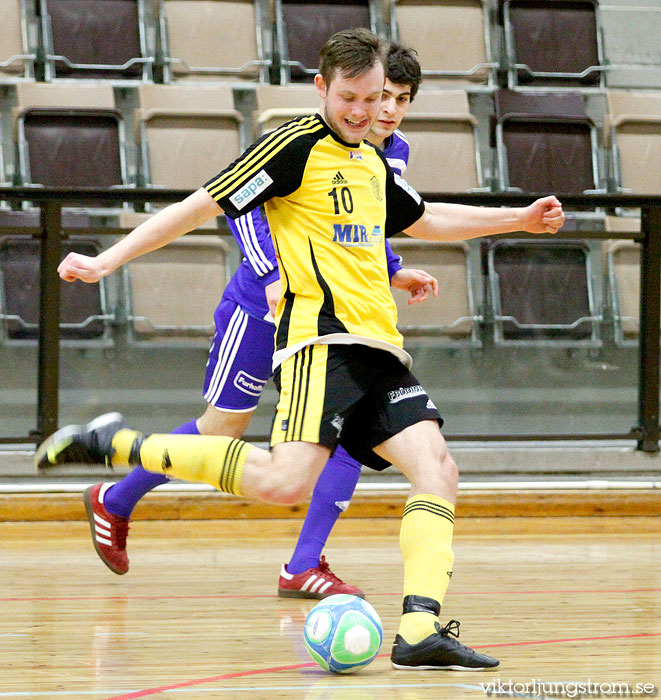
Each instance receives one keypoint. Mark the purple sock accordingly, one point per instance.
(122, 497)
(330, 497)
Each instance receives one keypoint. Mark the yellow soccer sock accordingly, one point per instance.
(215, 460)
(122, 443)
(426, 543)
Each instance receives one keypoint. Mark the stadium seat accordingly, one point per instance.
(543, 293)
(451, 318)
(302, 28)
(69, 135)
(277, 104)
(440, 129)
(230, 39)
(632, 131)
(17, 41)
(84, 316)
(631, 30)
(544, 142)
(96, 39)
(451, 37)
(194, 126)
(160, 286)
(552, 43)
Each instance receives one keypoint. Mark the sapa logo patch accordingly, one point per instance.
(251, 189)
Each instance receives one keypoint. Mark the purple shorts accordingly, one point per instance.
(240, 359)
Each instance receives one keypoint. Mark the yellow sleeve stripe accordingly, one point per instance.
(272, 145)
(268, 141)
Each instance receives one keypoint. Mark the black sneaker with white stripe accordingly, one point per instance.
(439, 651)
(80, 444)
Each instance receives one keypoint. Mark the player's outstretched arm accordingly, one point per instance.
(459, 222)
(157, 231)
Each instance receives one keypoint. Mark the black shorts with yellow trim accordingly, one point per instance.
(351, 395)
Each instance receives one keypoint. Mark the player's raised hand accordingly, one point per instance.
(80, 267)
(544, 215)
(418, 283)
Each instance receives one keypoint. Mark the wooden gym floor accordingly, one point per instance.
(561, 601)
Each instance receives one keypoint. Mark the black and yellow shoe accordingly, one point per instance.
(439, 651)
(80, 444)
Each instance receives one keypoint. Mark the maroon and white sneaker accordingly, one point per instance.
(109, 531)
(318, 582)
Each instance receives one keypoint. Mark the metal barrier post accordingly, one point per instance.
(648, 374)
(49, 319)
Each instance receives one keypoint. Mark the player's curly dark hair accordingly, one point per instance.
(352, 52)
(402, 67)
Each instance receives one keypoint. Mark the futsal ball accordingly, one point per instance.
(343, 633)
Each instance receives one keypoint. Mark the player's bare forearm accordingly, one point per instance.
(458, 222)
(157, 231)
(163, 228)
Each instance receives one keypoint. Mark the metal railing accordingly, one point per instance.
(645, 432)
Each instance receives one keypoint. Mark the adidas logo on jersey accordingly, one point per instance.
(339, 179)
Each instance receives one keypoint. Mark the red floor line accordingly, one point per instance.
(252, 597)
(211, 679)
(293, 667)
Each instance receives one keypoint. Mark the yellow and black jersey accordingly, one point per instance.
(329, 205)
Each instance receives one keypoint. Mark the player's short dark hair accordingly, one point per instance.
(402, 67)
(352, 52)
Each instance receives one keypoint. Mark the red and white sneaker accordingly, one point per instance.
(318, 582)
(109, 531)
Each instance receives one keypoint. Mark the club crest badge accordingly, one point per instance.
(376, 188)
